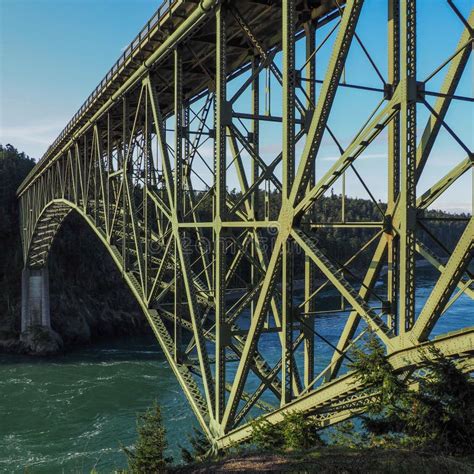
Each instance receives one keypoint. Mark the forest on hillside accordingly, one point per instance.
(89, 299)
(88, 296)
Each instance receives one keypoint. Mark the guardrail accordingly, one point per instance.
(163, 10)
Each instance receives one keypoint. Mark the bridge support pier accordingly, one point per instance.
(35, 298)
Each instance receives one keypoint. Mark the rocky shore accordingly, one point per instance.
(76, 321)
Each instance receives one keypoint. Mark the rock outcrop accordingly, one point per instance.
(76, 320)
(41, 341)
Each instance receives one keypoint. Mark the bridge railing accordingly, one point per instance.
(161, 12)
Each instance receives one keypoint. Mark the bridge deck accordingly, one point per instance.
(151, 50)
(137, 181)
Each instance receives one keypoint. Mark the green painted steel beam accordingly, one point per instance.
(215, 270)
(401, 360)
(448, 280)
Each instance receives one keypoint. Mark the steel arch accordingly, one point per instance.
(214, 271)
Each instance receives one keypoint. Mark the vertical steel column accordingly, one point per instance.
(124, 180)
(95, 157)
(393, 157)
(85, 175)
(178, 194)
(107, 171)
(309, 268)
(221, 118)
(186, 156)
(408, 166)
(76, 174)
(254, 173)
(146, 166)
(288, 108)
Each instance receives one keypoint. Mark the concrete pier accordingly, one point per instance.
(35, 298)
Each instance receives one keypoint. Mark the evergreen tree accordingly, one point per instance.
(148, 455)
(200, 447)
(437, 415)
(296, 431)
(14, 167)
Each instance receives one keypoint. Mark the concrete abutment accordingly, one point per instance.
(35, 303)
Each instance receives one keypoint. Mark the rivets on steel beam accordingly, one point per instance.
(411, 218)
(226, 116)
(307, 119)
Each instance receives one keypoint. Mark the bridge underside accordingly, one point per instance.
(202, 166)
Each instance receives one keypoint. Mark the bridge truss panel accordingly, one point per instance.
(235, 97)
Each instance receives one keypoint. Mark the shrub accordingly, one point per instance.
(346, 434)
(200, 447)
(148, 455)
(438, 415)
(295, 432)
(267, 436)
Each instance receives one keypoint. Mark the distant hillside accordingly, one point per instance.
(88, 297)
(89, 300)
(14, 166)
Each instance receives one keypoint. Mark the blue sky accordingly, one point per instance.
(54, 52)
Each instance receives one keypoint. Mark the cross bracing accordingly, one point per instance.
(233, 281)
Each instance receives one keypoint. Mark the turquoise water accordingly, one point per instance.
(71, 413)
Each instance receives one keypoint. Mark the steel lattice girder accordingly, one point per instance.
(213, 270)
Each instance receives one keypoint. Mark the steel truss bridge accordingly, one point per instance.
(214, 95)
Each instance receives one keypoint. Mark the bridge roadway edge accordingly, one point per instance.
(346, 393)
(192, 22)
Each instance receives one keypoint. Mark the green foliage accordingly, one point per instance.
(437, 414)
(346, 434)
(295, 432)
(84, 280)
(374, 370)
(148, 455)
(300, 432)
(444, 406)
(267, 436)
(14, 166)
(200, 447)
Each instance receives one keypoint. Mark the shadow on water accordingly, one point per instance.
(141, 348)
(71, 412)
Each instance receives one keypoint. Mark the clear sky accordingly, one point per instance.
(54, 52)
